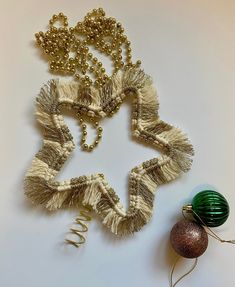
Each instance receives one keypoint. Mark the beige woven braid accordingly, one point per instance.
(93, 190)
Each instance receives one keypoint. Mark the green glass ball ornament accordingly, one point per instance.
(210, 206)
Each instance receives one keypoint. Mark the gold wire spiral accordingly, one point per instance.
(81, 222)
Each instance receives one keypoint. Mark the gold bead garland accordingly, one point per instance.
(104, 34)
(99, 130)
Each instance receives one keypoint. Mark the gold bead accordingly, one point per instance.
(84, 126)
(85, 146)
(100, 129)
(94, 60)
(91, 146)
(89, 56)
(100, 10)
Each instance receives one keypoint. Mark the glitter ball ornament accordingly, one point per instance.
(189, 239)
(209, 207)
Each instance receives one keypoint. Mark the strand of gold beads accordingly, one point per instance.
(99, 131)
(105, 34)
(68, 51)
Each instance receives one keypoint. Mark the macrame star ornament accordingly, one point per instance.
(93, 190)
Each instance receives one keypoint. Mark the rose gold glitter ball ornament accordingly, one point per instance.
(189, 239)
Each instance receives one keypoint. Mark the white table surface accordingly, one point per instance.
(188, 47)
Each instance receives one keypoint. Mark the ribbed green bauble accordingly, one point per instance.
(211, 206)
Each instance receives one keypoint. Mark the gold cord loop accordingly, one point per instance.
(181, 277)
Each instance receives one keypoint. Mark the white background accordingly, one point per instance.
(188, 47)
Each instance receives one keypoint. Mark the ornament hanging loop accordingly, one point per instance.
(184, 275)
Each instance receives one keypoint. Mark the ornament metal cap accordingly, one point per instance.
(187, 208)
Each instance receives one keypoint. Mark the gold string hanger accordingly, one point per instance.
(182, 276)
